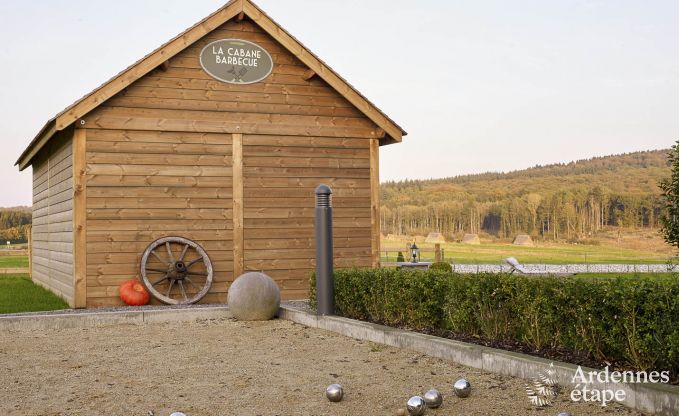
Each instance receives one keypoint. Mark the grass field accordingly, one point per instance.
(19, 294)
(11, 262)
(545, 253)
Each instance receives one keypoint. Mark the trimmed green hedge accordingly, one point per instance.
(619, 318)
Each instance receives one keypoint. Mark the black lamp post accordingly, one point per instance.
(415, 252)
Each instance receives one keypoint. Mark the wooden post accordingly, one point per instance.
(29, 237)
(238, 250)
(375, 201)
(79, 218)
(437, 253)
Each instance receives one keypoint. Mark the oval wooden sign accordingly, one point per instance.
(236, 61)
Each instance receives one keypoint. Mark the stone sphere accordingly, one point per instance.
(433, 399)
(416, 406)
(462, 388)
(254, 296)
(334, 393)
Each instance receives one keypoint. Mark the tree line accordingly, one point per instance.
(563, 201)
(14, 224)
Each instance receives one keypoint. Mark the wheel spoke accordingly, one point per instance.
(197, 274)
(169, 290)
(148, 269)
(192, 262)
(186, 248)
(159, 280)
(169, 251)
(181, 287)
(158, 257)
(198, 288)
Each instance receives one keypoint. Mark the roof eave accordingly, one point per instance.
(323, 70)
(45, 134)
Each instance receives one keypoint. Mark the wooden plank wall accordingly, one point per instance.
(52, 244)
(280, 176)
(182, 97)
(159, 162)
(144, 185)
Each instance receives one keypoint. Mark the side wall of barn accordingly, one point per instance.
(52, 245)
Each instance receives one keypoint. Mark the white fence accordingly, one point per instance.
(568, 268)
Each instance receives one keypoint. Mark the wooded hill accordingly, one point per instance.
(563, 201)
(13, 224)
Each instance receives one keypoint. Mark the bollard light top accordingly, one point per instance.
(323, 189)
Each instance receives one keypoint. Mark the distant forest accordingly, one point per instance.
(561, 202)
(13, 224)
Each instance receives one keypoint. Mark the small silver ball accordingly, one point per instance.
(334, 393)
(177, 414)
(433, 399)
(564, 414)
(462, 388)
(416, 406)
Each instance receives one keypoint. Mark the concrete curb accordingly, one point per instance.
(658, 399)
(88, 319)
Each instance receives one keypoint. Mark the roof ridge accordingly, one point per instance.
(183, 40)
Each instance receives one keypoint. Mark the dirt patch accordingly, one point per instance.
(224, 367)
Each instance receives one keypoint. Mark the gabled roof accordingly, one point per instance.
(393, 133)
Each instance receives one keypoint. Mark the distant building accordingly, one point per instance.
(471, 239)
(523, 240)
(435, 238)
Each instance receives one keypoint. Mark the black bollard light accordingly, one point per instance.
(325, 284)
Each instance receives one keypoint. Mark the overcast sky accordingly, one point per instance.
(479, 85)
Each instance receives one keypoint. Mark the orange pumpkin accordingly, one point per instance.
(133, 293)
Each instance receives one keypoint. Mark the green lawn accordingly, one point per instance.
(11, 262)
(19, 294)
(493, 253)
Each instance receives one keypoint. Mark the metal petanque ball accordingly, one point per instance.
(462, 388)
(433, 399)
(334, 393)
(416, 406)
(177, 414)
(564, 414)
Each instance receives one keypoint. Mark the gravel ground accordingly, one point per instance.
(224, 367)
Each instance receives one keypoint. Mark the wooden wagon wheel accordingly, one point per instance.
(176, 270)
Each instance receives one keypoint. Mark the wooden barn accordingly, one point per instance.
(219, 136)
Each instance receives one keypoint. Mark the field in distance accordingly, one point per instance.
(633, 247)
(11, 262)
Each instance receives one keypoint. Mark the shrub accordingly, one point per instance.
(441, 266)
(620, 319)
(400, 258)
